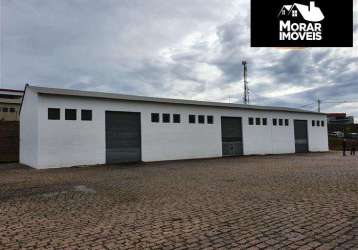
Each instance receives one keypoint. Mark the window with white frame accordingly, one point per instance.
(294, 13)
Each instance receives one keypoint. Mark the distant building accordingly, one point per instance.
(339, 119)
(10, 101)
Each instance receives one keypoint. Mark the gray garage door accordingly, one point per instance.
(231, 132)
(301, 136)
(123, 137)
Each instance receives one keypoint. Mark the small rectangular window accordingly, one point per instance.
(5, 110)
(251, 121)
(258, 121)
(53, 114)
(210, 119)
(155, 117)
(70, 114)
(313, 123)
(264, 121)
(317, 123)
(191, 118)
(286, 122)
(86, 115)
(274, 121)
(166, 118)
(12, 110)
(201, 119)
(280, 122)
(322, 123)
(176, 118)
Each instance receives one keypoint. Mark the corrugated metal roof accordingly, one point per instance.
(11, 90)
(101, 95)
(10, 101)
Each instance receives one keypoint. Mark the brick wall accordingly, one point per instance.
(9, 141)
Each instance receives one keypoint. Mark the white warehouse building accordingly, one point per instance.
(63, 128)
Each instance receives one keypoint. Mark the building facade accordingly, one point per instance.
(10, 101)
(63, 128)
(340, 119)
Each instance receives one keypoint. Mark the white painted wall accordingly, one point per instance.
(29, 129)
(68, 143)
(318, 136)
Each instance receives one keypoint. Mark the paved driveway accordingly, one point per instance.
(278, 202)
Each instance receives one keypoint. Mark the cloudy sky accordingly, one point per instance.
(189, 49)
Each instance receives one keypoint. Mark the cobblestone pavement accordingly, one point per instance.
(307, 201)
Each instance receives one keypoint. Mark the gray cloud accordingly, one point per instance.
(180, 48)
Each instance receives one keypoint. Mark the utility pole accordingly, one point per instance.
(319, 105)
(246, 86)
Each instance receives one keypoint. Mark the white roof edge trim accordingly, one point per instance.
(102, 95)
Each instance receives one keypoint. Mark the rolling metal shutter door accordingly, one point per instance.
(301, 136)
(231, 132)
(123, 137)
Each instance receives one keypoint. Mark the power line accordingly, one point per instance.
(320, 102)
(342, 102)
(306, 105)
(333, 100)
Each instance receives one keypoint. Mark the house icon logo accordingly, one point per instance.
(309, 13)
